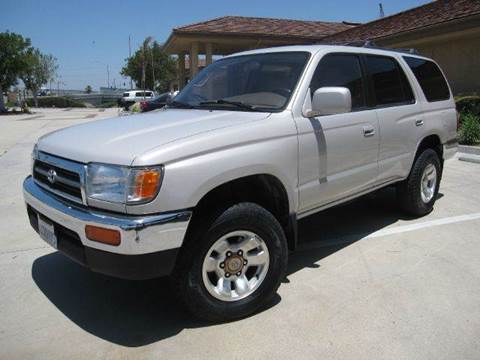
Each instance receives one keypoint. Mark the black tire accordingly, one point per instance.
(188, 274)
(408, 191)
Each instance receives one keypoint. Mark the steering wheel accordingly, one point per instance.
(282, 91)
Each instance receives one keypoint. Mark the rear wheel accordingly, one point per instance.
(417, 194)
(235, 266)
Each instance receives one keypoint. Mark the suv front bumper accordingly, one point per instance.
(149, 244)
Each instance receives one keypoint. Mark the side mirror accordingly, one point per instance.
(330, 101)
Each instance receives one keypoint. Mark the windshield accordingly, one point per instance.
(260, 82)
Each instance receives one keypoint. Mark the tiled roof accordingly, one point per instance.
(239, 25)
(433, 13)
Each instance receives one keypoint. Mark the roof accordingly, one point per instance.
(433, 13)
(240, 25)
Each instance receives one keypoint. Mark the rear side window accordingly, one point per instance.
(390, 84)
(126, 94)
(138, 94)
(430, 78)
(341, 70)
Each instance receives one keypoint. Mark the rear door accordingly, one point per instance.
(399, 115)
(338, 153)
(438, 104)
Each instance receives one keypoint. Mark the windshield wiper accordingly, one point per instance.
(179, 104)
(228, 102)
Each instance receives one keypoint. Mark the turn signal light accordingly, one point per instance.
(146, 184)
(103, 235)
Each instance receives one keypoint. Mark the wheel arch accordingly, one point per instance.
(431, 141)
(264, 189)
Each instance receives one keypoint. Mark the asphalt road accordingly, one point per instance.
(368, 282)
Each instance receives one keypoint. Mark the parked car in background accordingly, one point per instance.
(131, 97)
(156, 103)
(211, 189)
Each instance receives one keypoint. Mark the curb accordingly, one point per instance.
(471, 158)
(475, 150)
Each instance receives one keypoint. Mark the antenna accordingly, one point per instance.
(382, 14)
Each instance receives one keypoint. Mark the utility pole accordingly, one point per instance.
(129, 56)
(108, 76)
(382, 14)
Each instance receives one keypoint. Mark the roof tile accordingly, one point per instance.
(265, 26)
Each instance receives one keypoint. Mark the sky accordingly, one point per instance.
(87, 36)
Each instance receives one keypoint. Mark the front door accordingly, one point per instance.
(338, 154)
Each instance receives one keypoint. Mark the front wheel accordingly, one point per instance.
(417, 194)
(235, 267)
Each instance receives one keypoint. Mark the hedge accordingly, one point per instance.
(56, 101)
(469, 105)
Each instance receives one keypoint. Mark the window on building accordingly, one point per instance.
(341, 70)
(390, 84)
(430, 78)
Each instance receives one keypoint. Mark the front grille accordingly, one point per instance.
(61, 177)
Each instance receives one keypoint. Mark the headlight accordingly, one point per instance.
(123, 185)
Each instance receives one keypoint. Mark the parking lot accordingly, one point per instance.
(367, 282)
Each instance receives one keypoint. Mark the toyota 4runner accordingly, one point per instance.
(209, 189)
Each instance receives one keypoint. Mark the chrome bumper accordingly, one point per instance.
(139, 234)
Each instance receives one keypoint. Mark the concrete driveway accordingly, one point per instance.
(368, 282)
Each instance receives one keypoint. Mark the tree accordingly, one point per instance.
(12, 61)
(150, 67)
(40, 69)
(88, 89)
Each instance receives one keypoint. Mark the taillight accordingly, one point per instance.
(143, 105)
(458, 120)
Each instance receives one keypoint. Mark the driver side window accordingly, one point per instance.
(341, 70)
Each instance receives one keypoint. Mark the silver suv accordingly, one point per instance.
(209, 190)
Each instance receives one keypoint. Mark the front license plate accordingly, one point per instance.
(47, 232)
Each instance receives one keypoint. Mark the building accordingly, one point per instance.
(445, 30)
(229, 34)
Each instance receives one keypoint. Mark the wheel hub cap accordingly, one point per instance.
(235, 265)
(429, 183)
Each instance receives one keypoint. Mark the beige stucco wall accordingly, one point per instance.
(458, 55)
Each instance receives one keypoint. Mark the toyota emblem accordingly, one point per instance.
(52, 176)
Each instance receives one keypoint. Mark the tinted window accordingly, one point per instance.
(126, 94)
(341, 70)
(390, 85)
(430, 79)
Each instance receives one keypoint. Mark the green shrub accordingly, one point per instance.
(469, 133)
(469, 105)
(56, 101)
(108, 104)
(135, 108)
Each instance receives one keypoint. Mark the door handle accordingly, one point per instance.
(418, 122)
(368, 131)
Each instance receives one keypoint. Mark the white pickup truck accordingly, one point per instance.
(209, 190)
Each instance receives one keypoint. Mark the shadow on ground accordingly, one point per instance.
(137, 313)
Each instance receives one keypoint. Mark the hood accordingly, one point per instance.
(120, 140)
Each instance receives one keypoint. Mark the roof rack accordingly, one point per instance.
(371, 45)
